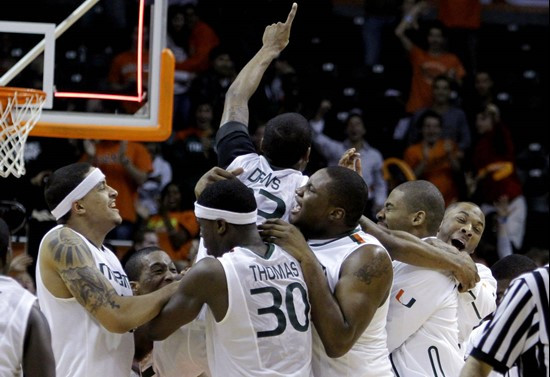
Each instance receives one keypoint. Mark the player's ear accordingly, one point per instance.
(221, 226)
(78, 207)
(135, 287)
(419, 218)
(337, 214)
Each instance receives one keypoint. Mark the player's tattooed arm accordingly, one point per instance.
(378, 268)
(74, 263)
(76, 267)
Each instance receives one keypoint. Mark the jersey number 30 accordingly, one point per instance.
(276, 310)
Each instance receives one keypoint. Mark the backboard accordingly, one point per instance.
(102, 64)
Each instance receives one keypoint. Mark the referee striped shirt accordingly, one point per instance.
(519, 328)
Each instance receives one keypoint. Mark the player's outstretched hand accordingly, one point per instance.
(286, 236)
(276, 36)
(213, 175)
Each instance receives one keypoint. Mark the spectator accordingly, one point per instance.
(455, 124)
(371, 158)
(498, 187)
(210, 86)
(123, 74)
(434, 158)
(192, 153)
(427, 64)
(175, 227)
(149, 191)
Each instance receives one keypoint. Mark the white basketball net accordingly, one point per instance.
(17, 118)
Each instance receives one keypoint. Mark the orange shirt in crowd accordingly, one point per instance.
(178, 220)
(425, 68)
(438, 168)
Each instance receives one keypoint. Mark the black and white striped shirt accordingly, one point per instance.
(519, 329)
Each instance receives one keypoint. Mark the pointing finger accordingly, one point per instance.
(292, 14)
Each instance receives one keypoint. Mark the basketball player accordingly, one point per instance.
(25, 340)
(82, 288)
(276, 174)
(258, 320)
(458, 236)
(348, 273)
(149, 269)
(422, 318)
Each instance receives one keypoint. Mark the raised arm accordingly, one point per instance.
(409, 249)
(410, 20)
(69, 270)
(275, 39)
(204, 283)
(365, 282)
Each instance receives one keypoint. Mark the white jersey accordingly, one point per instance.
(81, 346)
(15, 307)
(183, 353)
(369, 355)
(476, 304)
(266, 330)
(274, 190)
(422, 323)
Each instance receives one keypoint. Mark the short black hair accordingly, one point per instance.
(228, 195)
(4, 241)
(427, 114)
(349, 191)
(134, 265)
(61, 182)
(511, 266)
(424, 196)
(287, 138)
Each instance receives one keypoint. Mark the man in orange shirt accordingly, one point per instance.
(435, 159)
(427, 64)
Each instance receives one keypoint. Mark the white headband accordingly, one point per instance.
(78, 193)
(231, 217)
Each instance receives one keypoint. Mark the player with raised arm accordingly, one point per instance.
(275, 175)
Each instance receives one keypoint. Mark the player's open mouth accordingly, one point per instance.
(296, 208)
(459, 244)
(112, 205)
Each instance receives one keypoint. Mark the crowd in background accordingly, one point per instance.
(421, 92)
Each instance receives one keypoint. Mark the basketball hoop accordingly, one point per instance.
(20, 109)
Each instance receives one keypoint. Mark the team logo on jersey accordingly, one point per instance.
(408, 304)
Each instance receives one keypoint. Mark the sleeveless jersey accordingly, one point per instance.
(369, 355)
(81, 346)
(15, 307)
(274, 190)
(423, 323)
(266, 330)
(183, 353)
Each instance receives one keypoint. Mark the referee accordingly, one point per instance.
(517, 332)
